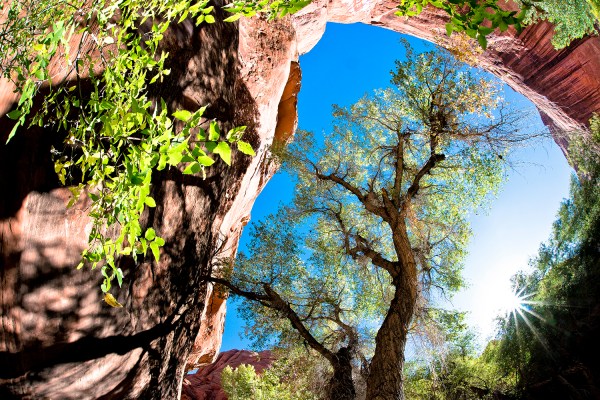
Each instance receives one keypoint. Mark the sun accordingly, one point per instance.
(504, 300)
(518, 307)
(515, 302)
(511, 301)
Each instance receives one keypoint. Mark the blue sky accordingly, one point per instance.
(352, 60)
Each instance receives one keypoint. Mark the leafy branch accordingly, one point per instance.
(476, 18)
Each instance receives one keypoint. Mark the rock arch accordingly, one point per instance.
(564, 84)
(56, 338)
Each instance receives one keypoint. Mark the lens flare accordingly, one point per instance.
(518, 307)
(516, 301)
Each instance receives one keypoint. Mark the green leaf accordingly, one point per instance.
(12, 132)
(210, 146)
(449, 28)
(154, 246)
(136, 179)
(206, 161)
(27, 92)
(482, 41)
(150, 202)
(192, 168)
(162, 162)
(150, 234)
(183, 16)
(144, 243)
(176, 153)
(233, 18)
(245, 148)
(201, 135)
(14, 114)
(119, 275)
(236, 133)
(214, 132)
(197, 152)
(187, 158)
(182, 115)
(485, 31)
(224, 151)
(209, 19)
(106, 105)
(195, 8)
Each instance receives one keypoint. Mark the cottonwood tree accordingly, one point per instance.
(384, 204)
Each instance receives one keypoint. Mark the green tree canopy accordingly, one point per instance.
(379, 216)
(549, 340)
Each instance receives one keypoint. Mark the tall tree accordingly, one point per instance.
(387, 197)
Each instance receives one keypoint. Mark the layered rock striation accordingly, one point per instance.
(58, 340)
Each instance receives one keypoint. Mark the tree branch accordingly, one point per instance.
(277, 303)
(369, 200)
(398, 172)
(273, 300)
(362, 246)
(426, 168)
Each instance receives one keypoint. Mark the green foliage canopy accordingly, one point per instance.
(572, 19)
(552, 337)
(291, 377)
(477, 19)
(453, 369)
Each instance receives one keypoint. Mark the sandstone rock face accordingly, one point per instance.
(59, 341)
(205, 384)
(564, 85)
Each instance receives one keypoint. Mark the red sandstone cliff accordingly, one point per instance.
(58, 340)
(205, 384)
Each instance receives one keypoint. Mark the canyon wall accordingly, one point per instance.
(58, 340)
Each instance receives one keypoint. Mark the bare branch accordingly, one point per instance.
(426, 168)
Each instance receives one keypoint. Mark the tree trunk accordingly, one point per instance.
(385, 374)
(341, 386)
